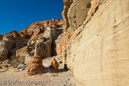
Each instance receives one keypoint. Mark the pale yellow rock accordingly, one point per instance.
(99, 55)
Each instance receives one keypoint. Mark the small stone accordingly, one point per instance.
(9, 65)
(21, 66)
(54, 65)
(26, 66)
(60, 62)
(22, 69)
(66, 79)
(4, 66)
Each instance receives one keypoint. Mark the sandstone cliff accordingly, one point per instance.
(95, 41)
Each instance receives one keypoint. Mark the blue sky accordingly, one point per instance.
(19, 14)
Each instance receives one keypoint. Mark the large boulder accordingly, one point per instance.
(35, 67)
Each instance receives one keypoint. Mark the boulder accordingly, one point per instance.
(3, 66)
(35, 67)
(21, 66)
(54, 65)
(7, 61)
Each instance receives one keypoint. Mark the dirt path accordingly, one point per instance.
(63, 78)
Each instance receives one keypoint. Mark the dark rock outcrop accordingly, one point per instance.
(5, 45)
(1, 37)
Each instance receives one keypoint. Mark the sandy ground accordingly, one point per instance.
(20, 78)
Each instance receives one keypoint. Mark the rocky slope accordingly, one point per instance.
(38, 39)
(95, 41)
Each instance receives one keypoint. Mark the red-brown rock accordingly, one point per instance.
(35, 67)
(54, 65)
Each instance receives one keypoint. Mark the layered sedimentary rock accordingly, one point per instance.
(38, 39)
(54, 65)
(77, 11)
(35, 66)
(97, 51)
(27, 52)
(5, 45)
(39, 48)
(94, 44)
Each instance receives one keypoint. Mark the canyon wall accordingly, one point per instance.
(96, 51)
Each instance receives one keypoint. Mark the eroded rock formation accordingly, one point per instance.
(77, 11)
(93, 45)
(35, 66)
(38, 39)
(96, 49)
(5, 45)
(54, 65)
